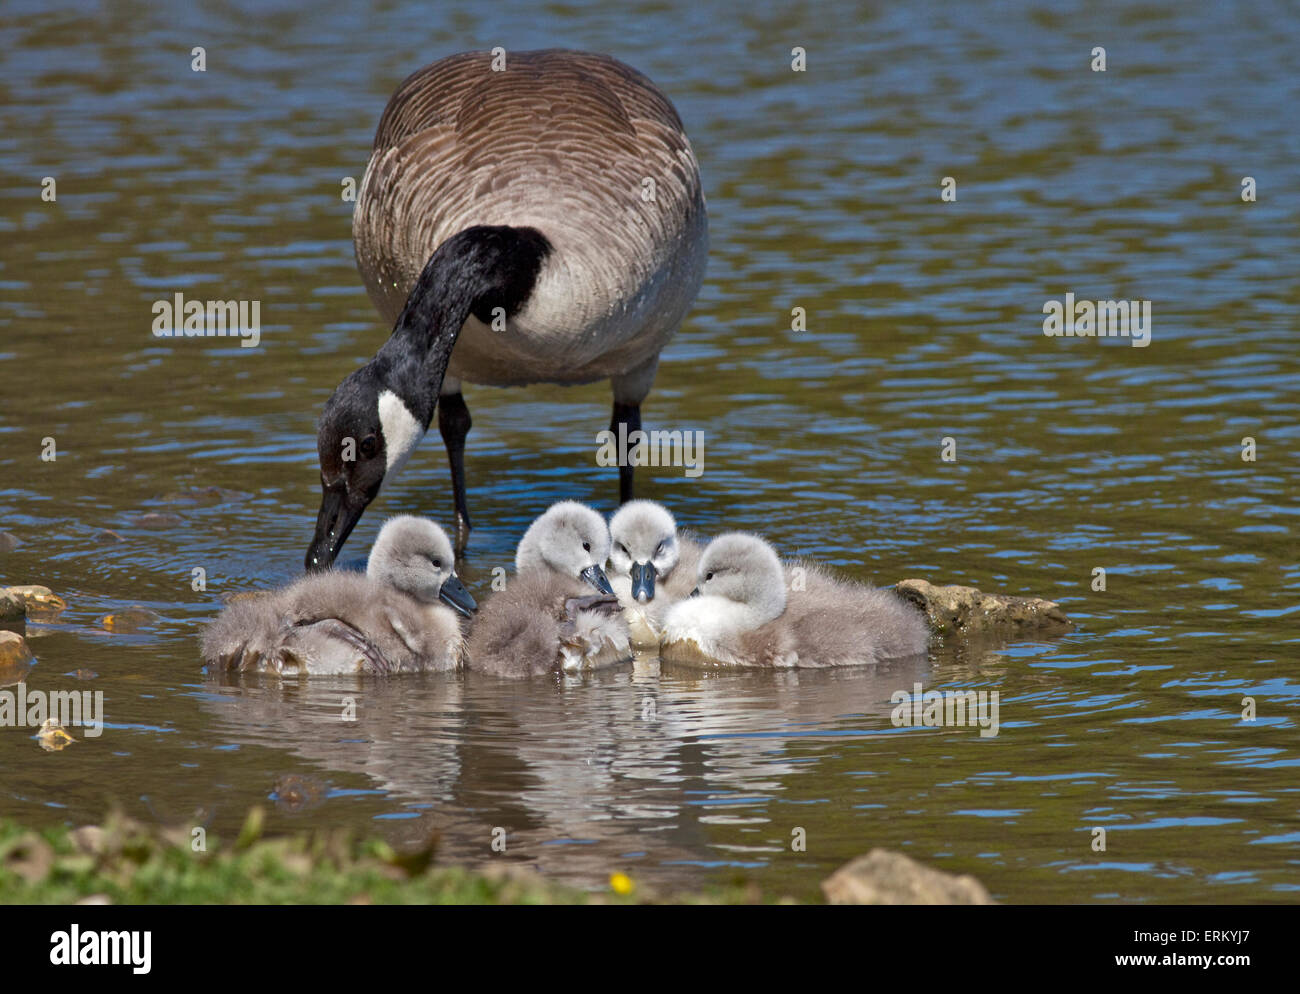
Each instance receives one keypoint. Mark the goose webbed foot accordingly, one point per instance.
(463, 527)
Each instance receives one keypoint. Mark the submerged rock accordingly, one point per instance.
(204, 496)
(39, 603)
(955, 610)
(130, 620)
(298, 793)
(106, 536)
(8, 542)
(886, 877)
(155, 519)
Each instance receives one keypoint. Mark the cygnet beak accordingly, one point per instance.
(454, 594)
(596, 577)
(643, 582)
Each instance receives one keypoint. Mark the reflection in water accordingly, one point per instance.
(622, 762)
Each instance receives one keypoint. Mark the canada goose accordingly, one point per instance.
(651, 567)
(387, 621)
(547, 619)
(545, 220)
(741, 615)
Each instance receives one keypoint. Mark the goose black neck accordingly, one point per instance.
(474, 272)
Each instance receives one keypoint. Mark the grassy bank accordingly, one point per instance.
(125, 862)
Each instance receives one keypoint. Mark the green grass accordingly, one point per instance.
(126, 862)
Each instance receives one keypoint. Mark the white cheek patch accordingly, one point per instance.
(402, 432)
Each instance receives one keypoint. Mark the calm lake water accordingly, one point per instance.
(924, 320)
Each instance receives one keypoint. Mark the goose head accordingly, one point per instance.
(415, 556)
(746, 571)
(366, 434)
(570, 539)
(643, 537)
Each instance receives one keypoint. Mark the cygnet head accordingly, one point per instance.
(744, 569)
(643, 537)
(415, 556)
(571, 539)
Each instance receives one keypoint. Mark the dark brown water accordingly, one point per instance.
(924, 321)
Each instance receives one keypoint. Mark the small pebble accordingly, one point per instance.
(89, 839)
(52, 736)
(16, 658)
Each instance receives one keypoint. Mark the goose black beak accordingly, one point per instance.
(643, 582)
(596, 577)
(337, 517)
(454, 595)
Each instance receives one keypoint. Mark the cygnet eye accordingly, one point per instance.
(437, 563)
(662, 546)
(623, 549)
(709, 577)
(586, 546)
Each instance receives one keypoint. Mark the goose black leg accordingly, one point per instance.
(454, 423)
(630, 415)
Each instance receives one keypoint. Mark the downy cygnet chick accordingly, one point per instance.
(743, 615)
(387, 621)
(651, 567)
(558, 612)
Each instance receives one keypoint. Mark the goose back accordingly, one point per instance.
(563, 142)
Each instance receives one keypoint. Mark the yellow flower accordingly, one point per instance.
(621, 883)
